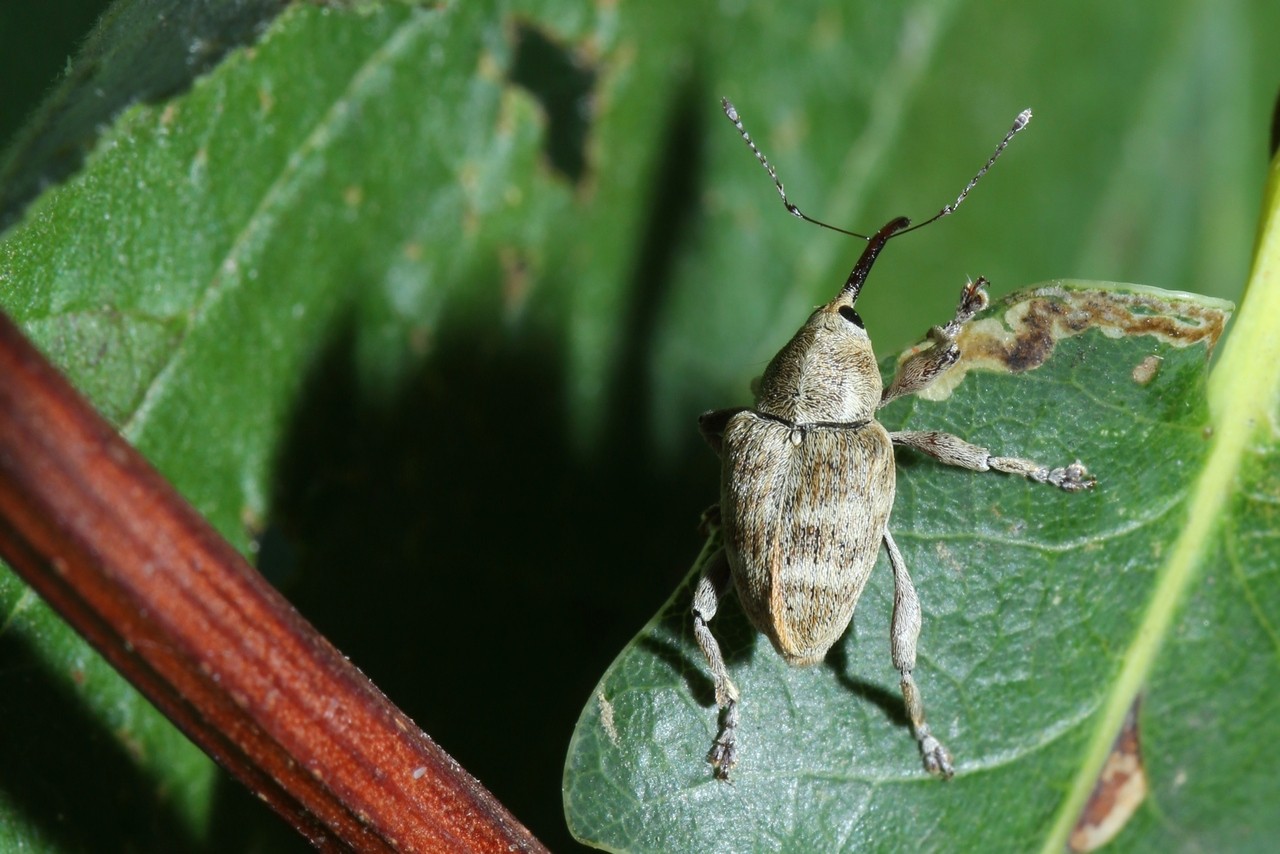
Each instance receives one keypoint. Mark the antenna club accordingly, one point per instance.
(1023, 119)
(732, 112)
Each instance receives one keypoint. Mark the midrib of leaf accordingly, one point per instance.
(228, 273)
(1242, 398)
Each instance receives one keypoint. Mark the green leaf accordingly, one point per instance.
(1032, 599)
(346, 286)
(140, 51)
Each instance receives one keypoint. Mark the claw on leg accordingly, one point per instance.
(937, 760)
(1072, 478)
(724, 750)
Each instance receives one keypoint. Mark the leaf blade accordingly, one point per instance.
(1003, 624)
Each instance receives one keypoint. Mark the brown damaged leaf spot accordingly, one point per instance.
(1019, 333)
(1121, 788)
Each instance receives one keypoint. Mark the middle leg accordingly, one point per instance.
(954, 451)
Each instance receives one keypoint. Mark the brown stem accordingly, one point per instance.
(132, 567)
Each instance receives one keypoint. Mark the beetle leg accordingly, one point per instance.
(715, 582)
(922, 368)
(954, 451)
(710, 521)
(902, 645)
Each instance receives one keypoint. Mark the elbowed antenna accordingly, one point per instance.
(732, 113)
(901, 225)
(1023, 119)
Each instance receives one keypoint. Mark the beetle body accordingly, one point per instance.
(807, 483)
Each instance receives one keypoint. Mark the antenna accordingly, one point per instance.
(885, 233)
(1023, 119)
(732, 113)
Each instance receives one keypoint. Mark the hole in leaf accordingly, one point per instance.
(563, 86)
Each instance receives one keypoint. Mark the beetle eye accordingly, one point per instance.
(848, 313)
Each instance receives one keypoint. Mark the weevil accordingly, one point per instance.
(808, 478)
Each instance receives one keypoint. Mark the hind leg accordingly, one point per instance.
(902, 645)
(715, 582)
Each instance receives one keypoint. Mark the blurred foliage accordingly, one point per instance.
(418, 304)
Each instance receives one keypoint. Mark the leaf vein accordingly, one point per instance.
(228, 274)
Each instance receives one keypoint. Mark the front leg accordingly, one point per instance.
(922, 368)
(954, 451)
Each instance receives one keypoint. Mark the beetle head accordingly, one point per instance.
(828, 371)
